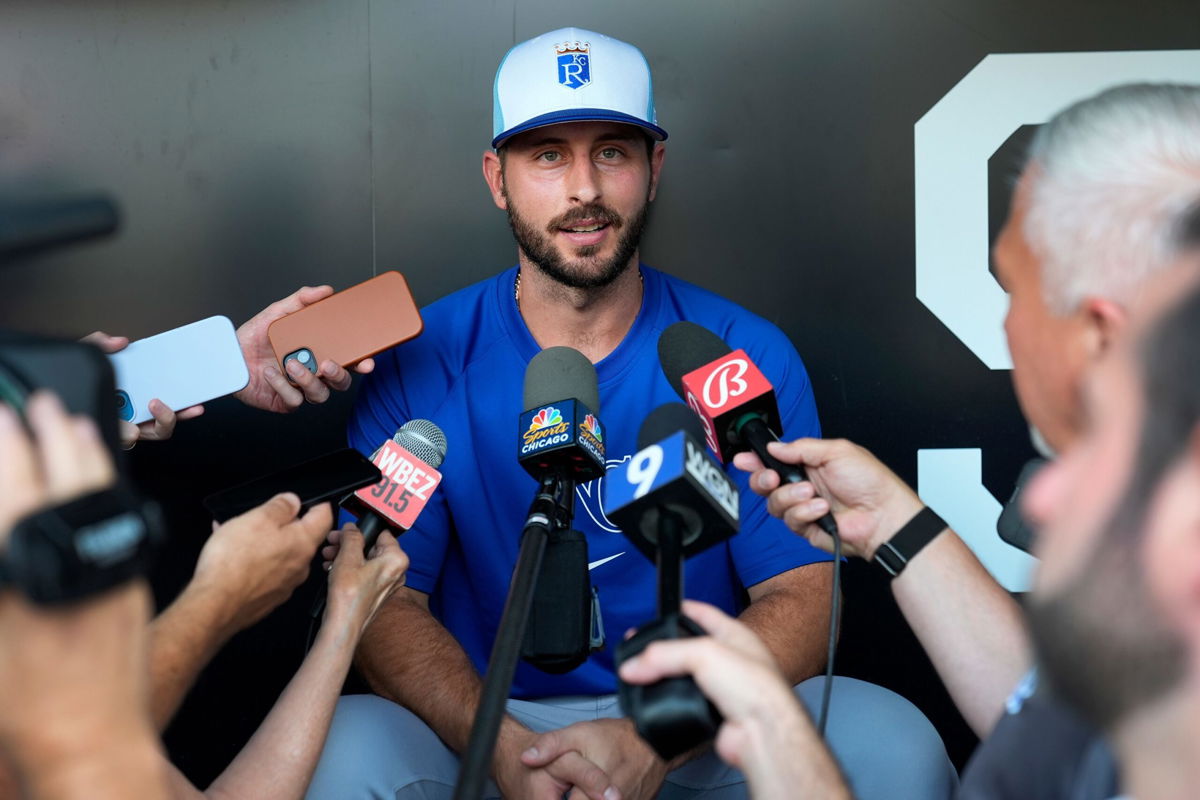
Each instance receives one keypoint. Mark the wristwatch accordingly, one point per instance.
(894, 554)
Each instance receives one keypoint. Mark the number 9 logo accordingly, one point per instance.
(643, 469)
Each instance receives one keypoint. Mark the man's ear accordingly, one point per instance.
(493, 173)
(656, 161)
(1105, 320)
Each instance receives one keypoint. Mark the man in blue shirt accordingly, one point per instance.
(575, 163)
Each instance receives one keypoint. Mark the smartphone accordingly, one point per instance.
(78, 373)
(347, 327)
(181, 367)
(323, 479)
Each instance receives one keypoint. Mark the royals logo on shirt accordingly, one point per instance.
(574, 64)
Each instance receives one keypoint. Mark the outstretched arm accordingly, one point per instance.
(970, 627)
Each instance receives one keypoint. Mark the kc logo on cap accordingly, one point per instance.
(574, 64)
(548, 80)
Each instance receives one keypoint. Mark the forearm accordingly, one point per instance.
(785, 758)
(396, 655)
(280, 758)
(793, 619)
(183, 639)
(970, 627)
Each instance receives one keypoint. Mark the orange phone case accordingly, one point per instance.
(348, 326)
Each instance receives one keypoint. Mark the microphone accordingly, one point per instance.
(672, 473)
(562, 442)
(733, 399)
(30, 226)
(671, 500)
(560, 431)
(1012, 525)
(560, 435)
(408, 462)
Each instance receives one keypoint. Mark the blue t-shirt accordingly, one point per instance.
(466, 373)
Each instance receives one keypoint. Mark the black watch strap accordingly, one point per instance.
(894, 554)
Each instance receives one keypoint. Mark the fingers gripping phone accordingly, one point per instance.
(182, 367)
(349, 326)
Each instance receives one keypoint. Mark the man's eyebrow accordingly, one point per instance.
(545, 140)
(612, 136)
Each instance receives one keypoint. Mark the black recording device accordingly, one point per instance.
(72, 551)
(326, 478)
(561, 442)
(672, 501)
(30, 226)
(561, 438)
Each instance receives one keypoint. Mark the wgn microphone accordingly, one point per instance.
(672, 475)
(672, 501)
(734, 400)
(409, 464)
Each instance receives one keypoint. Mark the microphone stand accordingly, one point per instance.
(672, 714)
(551, 510)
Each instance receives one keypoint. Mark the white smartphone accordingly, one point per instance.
(182, 367)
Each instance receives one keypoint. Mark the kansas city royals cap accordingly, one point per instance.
(572, 75)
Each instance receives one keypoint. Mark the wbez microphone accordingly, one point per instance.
(409, 464)
(672, 501)
(734, 400)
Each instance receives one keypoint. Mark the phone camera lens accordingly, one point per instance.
(124, 406)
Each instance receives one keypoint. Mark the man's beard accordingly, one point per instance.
(586, 271)
(1101, 643)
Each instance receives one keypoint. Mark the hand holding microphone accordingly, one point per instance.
(408, 462)
(734, 400)
(871, 501)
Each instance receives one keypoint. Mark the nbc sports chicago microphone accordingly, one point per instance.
(734, 400)
(560, 442)
(560, 433)
(409, 463)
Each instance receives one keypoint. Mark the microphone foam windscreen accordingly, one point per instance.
(424, 439)
(27, 227)
(686, 346)
(666, 420)
(559, 373)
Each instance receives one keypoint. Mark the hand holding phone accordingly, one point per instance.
(162, 426)
(181, 367)
(270, 387)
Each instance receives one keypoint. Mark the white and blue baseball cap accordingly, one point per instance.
(572, 75)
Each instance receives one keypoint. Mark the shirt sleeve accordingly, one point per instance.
(765, 547)
(383, 406)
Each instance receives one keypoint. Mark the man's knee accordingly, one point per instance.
(884, 744)
(377, 749)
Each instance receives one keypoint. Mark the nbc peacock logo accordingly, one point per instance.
(592, 426)
(546, 418)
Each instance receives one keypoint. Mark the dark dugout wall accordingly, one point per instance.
(258, 146)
